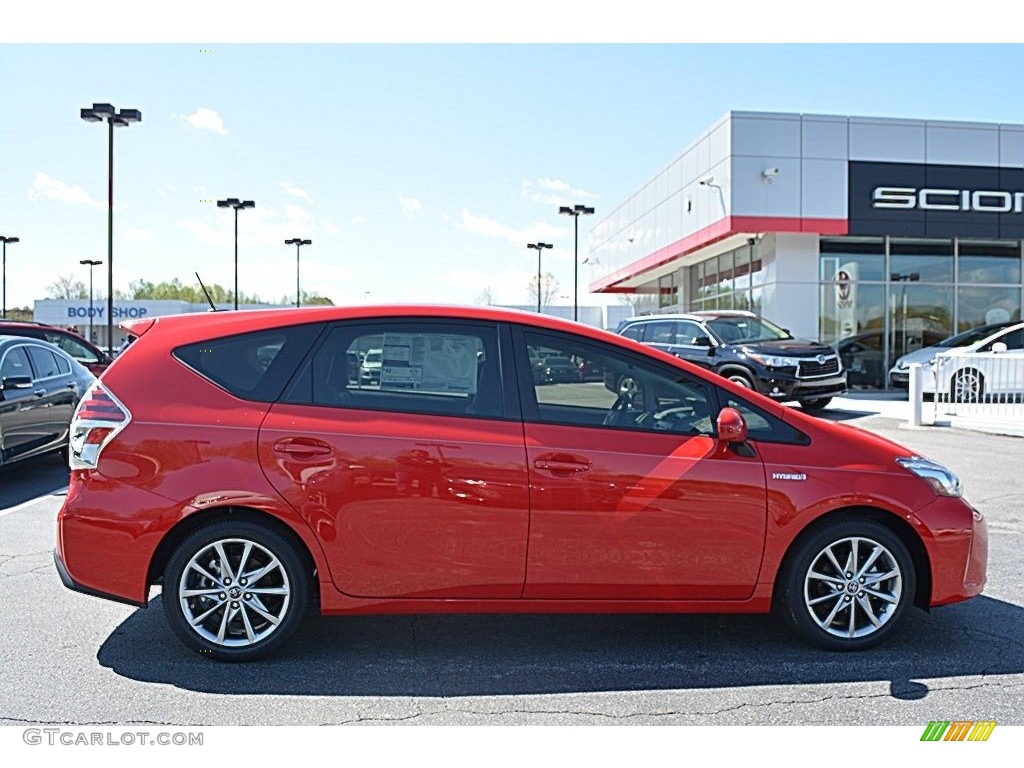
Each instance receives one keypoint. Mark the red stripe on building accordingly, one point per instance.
(727, 227)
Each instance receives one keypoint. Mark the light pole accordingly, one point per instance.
(234, 202)
(5, 240)
(298, 242)
(114, 118)
(540, 247)
(92, 263)
(575, 212)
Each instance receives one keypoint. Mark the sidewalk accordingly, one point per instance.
(894, 405)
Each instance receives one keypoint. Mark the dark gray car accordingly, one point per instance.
(40, 386)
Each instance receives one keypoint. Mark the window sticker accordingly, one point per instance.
(431, 363)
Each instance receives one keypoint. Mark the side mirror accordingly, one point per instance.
(701, 341)
(15, 382)
(999, 346)
(731, 426)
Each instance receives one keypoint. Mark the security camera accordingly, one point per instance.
(769, 174)
(706, 180)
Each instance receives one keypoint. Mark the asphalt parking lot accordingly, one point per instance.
(75, 660)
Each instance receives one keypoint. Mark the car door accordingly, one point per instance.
(24, 416)
(55, 389)
(694, 344)
(415, 482)
(631, 494)
(78, 350)
(1004, 371)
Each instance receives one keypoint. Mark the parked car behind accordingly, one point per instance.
(992, 366)
(747, 350)
(40, 386)
(461, 485)
(899, 374)
(82, 350)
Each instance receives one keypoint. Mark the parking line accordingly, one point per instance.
(30, 502)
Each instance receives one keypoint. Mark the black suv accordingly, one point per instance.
(747, 350)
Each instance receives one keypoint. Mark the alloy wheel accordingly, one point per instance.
(853, 587)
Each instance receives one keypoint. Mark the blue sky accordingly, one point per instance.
(420, 171)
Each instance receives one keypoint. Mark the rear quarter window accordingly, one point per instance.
(251, 366)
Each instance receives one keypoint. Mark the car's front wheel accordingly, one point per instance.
(235, 590)
(817, 404)
(847, 586)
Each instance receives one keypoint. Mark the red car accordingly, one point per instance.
(233, 460)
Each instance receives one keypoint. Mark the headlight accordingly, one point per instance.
(775, 361)
(944, 482)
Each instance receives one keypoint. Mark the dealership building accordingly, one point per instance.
(875, 235)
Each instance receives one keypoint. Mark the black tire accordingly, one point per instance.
(282, 592)
(968, 386)
(816, 404)
(738, 377)
(806, 602)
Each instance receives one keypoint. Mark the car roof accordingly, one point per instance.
(703, 314)
(242, 321)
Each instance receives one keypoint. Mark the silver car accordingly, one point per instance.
(899, 374)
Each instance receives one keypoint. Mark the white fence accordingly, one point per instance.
(984, 386)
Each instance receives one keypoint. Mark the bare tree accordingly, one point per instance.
(486, 296)
(548, 289)
(66, 287)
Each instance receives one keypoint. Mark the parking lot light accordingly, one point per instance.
(576, 211)
(234, 202)
(539, 247)
(5, 240)
(95, 114)
(92, 263)
(298, 242)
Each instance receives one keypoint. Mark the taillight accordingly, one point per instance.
(98, 418)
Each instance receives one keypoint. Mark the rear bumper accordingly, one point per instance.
(74, 586)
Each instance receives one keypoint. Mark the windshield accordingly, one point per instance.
(740, 328)
(373, 356)
(970, 336)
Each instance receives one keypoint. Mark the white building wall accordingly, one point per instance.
(790, 294)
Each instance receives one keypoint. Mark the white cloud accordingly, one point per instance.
(137, 234)
(359, 219)
(204, 119)
(410, 206)
(329, 226)
(48, 188)
(297, 215)
(488, 227)
(554, 192)
(289, 188)
(259, 226)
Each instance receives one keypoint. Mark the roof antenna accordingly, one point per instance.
(213, 307)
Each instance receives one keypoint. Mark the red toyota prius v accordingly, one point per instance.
(240, 462)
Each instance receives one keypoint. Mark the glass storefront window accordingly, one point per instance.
(852, 320)
(920, 316)
(982, 305)
(860, 258)
(925, 261)
(989, 262)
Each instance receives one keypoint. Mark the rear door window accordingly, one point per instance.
(438, 368)
(252, 366)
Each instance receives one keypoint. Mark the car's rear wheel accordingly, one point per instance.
(235, 590)
(816, 404)
(847, 586)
